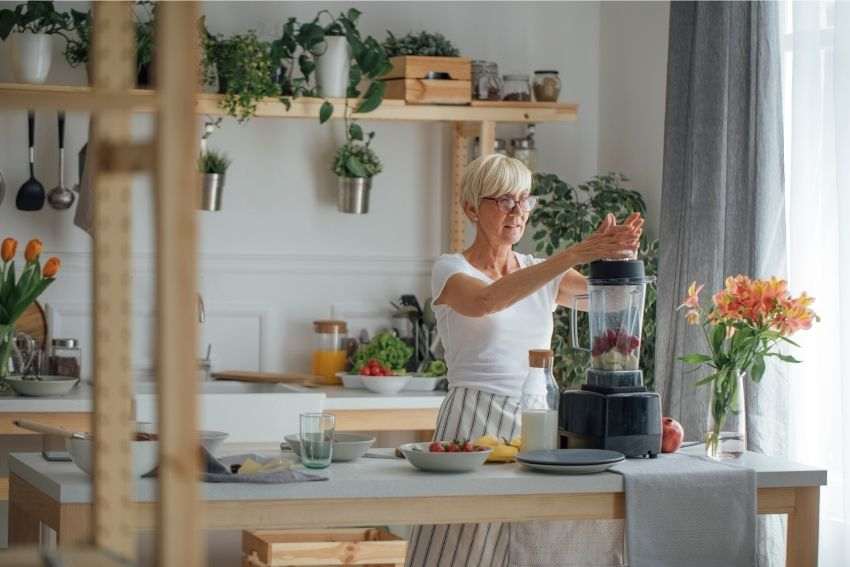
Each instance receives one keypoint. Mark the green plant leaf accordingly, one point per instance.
(325, 111)
(373, 97)
(717, 337)
(354, 165)
(706, 380)
(355, 132)
(785, 358)
(757, 369)
(695, 358)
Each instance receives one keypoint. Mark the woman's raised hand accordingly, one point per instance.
(611, 240)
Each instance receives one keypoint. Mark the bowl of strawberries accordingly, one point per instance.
(379, 379)
(445, 456)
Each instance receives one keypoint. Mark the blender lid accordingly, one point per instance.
(617, 272)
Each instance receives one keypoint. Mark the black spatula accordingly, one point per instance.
(31, 194)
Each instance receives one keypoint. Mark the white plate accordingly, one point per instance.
(418, 455)
(568, 469)
(350, 380)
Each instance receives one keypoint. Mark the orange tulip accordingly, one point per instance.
(8, 249)
(33, 250)
(51, 268)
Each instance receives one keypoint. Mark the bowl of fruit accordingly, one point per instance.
(379, 379)
(445, 456)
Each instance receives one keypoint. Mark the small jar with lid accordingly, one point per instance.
(65, 358)
(523, 150)
(329, 354)
(499, 147)
(547, 86)
(516, 88)
(486, 83)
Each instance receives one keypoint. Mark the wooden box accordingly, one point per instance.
(408, 80)
(354, 546)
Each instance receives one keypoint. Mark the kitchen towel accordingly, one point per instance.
(689, 510)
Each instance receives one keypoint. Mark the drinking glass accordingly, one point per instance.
(317, 437)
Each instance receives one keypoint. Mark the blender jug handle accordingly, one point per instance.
(574, 322)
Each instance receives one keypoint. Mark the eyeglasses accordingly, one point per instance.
(508, 203)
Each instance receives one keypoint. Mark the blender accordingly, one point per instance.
(613, 410)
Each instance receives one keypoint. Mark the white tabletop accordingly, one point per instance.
(377, 478)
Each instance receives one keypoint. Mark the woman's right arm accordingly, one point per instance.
(473, 297)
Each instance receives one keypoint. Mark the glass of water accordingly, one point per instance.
(317, 437)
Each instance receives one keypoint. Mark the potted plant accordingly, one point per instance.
(354, 164)
(213, 167)
(333, 64)
(243, 67)
(423, 44)
(33, 25)
(17, 295)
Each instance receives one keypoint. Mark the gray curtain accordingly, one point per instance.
(723, 204)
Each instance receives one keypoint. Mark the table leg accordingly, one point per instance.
(23, 528)
(802, 545)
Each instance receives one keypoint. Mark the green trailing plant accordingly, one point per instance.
(34, 17)
(77, 45)
(565, 216)
(213, 162)
(243, 66)
(355, 158)
(424, 44)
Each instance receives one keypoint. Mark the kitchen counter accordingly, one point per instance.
(77, 401)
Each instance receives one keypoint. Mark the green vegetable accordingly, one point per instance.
(436, 368)
(387, 349)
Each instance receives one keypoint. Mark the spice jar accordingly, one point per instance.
(329, 355)
(65, 358)
(516, 88)
(523, 150)
(486, 84)
(547, 86)
(499, 147)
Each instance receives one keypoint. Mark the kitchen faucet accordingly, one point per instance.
(202, 312)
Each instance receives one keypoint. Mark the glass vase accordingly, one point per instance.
(726, 434)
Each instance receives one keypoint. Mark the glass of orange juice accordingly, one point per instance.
(329, 356)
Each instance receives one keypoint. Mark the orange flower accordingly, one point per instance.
(8, 249)
(33, 250)
(692, 317)
(692, 301)
(51, 268)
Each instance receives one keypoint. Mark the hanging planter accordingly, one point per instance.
(333, 66)
(31, 57)
(213, 167)
(355, 163)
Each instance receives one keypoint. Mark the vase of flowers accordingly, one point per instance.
(748, 321)
(17, 294)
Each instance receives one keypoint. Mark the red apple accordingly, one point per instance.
(671, 435)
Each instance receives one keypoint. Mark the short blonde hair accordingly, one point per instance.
(494, 175)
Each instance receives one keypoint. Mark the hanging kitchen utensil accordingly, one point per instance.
(60, 197)
(31, 194)
(2, 187)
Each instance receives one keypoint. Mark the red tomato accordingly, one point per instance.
(454, 448)
(436, 447)
(468, 447)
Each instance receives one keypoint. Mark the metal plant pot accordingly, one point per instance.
(212, 187)
(353, 195)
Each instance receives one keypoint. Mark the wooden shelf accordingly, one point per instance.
(84, 98)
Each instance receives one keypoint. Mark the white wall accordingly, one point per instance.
(279, 255)
(632, 87)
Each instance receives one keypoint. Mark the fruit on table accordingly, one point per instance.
(615, 349)
(375, 368)
(454, 447)
(672, 435)
(503, 451)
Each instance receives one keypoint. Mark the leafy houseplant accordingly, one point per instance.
(748, 320)
(213, 162)
(17, 295)
(564, 216)
(354, 164)
(35, 23)
(423, 44)
(213, 166)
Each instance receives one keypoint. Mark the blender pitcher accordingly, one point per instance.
(616, 293)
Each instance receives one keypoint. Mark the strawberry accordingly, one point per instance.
(468, 447)
(436, 447)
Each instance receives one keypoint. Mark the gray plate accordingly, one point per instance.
(571, 457)
(568, 469)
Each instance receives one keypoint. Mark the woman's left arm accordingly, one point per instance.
(572, 285)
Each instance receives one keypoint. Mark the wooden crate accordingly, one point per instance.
(370, 547)
(414, 67)
(408, 80)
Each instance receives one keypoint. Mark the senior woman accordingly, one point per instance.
(493, 305)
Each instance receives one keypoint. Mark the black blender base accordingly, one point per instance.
(632, 446)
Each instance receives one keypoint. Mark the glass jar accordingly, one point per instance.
(547, 86)
(539, 403)
(486, 83)
(499, 147)
(516, 88)
(329, 354)
(65, 358)
(523, 150)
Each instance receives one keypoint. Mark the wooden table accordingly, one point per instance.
(381, 492)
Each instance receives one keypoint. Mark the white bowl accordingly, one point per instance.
(385, 384)
(44, 386)
(211, 440)
(145, 455)
(418, 455)
(350, 380)
(423, 383)
(346, 446)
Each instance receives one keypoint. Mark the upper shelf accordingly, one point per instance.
(84, 98)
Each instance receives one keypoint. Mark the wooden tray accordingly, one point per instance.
(34, 323)
(429, 91)
(354, 546)
(265, 377)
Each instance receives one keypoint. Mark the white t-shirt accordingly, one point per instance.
(490, 353)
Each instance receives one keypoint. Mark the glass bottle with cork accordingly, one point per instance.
(329, 354)
(539, 403)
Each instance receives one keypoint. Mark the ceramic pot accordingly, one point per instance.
(332, 67)
(212, 188)
(31, 57)
(353, 195)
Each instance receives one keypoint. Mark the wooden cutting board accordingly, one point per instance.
(34, 323)
(265, 377)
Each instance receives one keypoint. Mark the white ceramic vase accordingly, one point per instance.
(332, 67)
(32, 54)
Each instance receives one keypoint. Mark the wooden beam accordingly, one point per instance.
(126, 158)
(487, 138)
(385, 420)
(179, 514)
(457, 218)
(74, 98)
(113, 56)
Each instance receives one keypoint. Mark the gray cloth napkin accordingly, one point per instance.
(218, 470)
(689, 510)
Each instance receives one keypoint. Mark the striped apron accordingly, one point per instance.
(467, 414)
